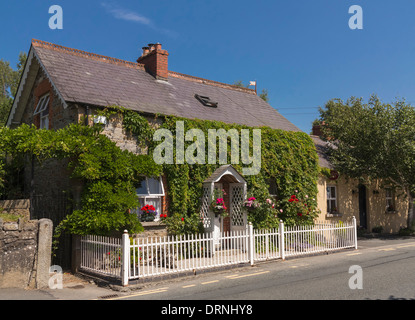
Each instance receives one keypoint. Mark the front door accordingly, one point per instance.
(237, 214)
(362, 206)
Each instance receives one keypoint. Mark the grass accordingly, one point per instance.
(8, 217)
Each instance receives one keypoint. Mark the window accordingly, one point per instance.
(42, 109)
(206, 101)
(272, 189)
(149, 193)
(390, 200)
(331, 199)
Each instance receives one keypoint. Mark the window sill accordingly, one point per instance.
(329, 215)
(152, 223)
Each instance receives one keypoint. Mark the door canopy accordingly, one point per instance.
(228, 173)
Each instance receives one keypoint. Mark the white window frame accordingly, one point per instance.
(330, 198)
(42, 109)
(151, 196)
(390, 199)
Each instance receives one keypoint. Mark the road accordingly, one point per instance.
(387, 271)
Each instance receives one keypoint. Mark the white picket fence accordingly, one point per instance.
(134, 258)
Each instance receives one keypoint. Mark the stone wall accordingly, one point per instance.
(152, 229)
(19, 207)
(25, 253)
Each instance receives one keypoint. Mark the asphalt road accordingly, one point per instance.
(380, 269)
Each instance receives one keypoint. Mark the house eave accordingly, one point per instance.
(22, 84)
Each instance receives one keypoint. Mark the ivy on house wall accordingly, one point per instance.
(109, 175)
(288, 160)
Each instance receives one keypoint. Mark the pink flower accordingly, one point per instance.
(281, 210)
(251, 199)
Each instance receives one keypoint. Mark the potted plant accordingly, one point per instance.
(148, 213)
(251, 204)
(218, 207)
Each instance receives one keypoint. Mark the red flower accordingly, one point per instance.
(299, 214)
(182, 219)
(291, 200)
(293, 196)
(296, 200)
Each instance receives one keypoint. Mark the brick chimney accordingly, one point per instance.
(317, 130)
(155, 61)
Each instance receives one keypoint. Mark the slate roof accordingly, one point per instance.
(87, 78)
(322, 148)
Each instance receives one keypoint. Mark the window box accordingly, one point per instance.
(330, 215)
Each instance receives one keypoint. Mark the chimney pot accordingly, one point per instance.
(146, 50)
(157, 46)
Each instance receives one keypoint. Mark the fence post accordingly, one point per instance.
(125, 258)
(355, 232)
(282, 240)
(251, 243)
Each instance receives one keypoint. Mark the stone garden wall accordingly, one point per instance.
(25, 253)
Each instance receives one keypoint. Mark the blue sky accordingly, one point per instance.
(302, 51)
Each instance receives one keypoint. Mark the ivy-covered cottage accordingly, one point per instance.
(61, 86)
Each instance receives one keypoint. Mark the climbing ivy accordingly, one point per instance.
(109, 175)
(288, 160)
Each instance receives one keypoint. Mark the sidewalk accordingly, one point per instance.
(74, 288)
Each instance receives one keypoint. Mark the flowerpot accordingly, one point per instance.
(218, 212)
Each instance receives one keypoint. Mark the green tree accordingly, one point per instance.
(9, 82)
(373, 140)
